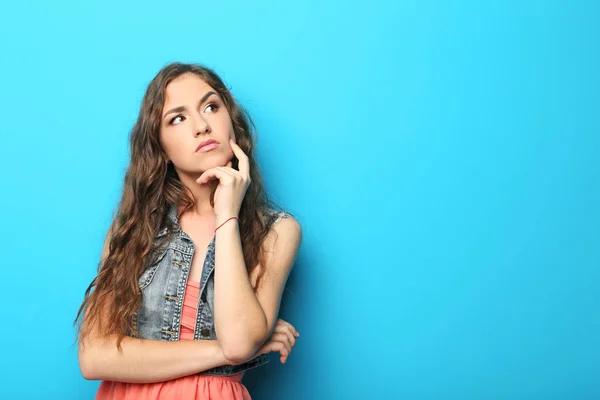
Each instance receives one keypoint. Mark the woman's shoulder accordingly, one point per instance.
(284, 223)
(276, 215)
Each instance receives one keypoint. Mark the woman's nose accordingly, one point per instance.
(201, 125)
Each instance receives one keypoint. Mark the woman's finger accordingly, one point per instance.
(288, 326)
(269, 347)
(235, 175)
(276, 346)
(243, 163)
(280, 340)
(285, 330)
(230, 171)
(283, 338)
(208, 175)
(284, 350)
(292, 328)
(215, 173)
(283, 353)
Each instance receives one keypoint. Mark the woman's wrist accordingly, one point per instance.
(221, 222)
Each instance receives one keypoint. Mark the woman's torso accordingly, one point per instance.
(194, 387)
(163, 286)
(178, 304)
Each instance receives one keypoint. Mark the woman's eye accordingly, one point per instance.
(214, 106)
(174, 119)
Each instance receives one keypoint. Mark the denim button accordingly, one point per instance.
(205, 332)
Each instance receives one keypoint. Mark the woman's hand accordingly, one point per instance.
(282, 340)
(232, 185)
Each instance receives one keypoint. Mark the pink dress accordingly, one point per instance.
(194, 387)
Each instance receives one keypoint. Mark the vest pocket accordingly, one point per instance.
(146, 278)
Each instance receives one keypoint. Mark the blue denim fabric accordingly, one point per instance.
(163, 286)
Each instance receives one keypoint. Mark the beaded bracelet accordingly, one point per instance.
(226, 222)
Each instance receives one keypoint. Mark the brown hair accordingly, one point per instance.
(150, 186)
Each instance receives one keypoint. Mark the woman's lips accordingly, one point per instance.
(208, 147)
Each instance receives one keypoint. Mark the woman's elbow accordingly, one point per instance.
(238, 352)
(241, 348)
(88, 364)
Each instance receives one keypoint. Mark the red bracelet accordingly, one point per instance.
(226, 222)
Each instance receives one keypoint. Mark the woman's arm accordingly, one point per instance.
(243, 320)
(144, 361)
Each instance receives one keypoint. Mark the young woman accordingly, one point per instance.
(196, 259)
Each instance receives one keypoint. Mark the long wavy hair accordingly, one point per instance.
(150, 187)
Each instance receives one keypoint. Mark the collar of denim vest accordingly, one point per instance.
(172, 215)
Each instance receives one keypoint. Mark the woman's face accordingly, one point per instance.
(193, 112)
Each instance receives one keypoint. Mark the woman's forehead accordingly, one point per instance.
(187, 87)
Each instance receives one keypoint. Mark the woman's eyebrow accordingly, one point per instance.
(182, 108)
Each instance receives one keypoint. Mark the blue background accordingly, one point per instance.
(442, 158)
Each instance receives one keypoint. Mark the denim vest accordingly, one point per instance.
(163, 285)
